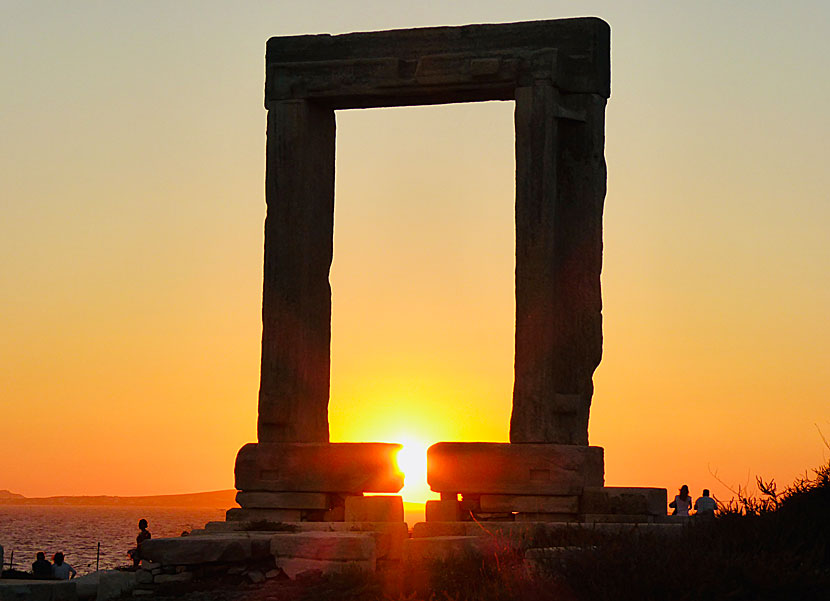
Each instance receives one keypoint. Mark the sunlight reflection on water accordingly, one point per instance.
(76, 531)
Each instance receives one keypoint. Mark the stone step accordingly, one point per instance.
(327, 552)
(441, 548)
(207, 548)
(389, 536)
(624, 500)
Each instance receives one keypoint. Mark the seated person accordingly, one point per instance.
(61, 569)
(42, 568)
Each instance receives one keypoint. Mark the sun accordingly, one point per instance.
(412, 461)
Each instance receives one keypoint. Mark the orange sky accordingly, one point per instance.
(131, 212)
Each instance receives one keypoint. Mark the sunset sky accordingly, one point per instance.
(132, 149)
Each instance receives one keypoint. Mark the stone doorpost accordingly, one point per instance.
(296, 299)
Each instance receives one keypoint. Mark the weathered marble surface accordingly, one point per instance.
(558, 73)
(513, 469)
(318, 467)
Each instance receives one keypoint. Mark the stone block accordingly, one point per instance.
(327, 546)
(429, 529)
(144, 577)
(617, 518)
(208, 548)
(282, 500)
(514, 469)
(296, 566)
(335, 514)
(318, 467)
(255, 576)
(173, 578)
(113, 584)
(236, 514)
(530, 503)
(443, 511)
(374, 509)
(438, 548)
(547, 517)
(86, 586)
(37, 590)
(624, 500)
(500, 516)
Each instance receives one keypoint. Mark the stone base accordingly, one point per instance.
(374, 509)
(519, 533)
(623, 500)
(301, 467)
(389, 536)
(513, 469)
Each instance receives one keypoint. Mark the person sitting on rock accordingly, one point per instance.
(143, 535)
(62, 570)
(682, 503)
(41, 568)
(705, 505)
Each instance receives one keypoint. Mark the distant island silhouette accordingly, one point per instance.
(218, 499)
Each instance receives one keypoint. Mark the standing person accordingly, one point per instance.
(61, 569)
(41, 568)
(682, 502)
(143, 535)
(705, 505)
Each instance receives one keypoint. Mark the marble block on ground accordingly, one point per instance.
(283, 500)
(374, 509)
(341, 467)
(624, 500)
(439, 548)
(443, 511)
(208, 548)
(237, 514)
(328, 546)
(37, 590)
(294, 566)
(530, 503)
(514, 469)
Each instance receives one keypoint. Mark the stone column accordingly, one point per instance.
(560, 189)
(296, 295)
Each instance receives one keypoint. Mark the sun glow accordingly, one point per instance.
(412, 461)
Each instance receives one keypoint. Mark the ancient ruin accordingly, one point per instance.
(301, 497)
(558, 75)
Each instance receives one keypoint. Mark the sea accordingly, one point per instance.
(88, 536)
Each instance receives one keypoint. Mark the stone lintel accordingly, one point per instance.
(439, 64)
(513, 469)
(341, 467)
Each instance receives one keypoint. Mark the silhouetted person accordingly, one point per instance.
(143, 535)
(61, 569)
(682, 502)
(41, 568)
(705, 505)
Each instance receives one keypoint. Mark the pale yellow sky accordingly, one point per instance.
(131, 212)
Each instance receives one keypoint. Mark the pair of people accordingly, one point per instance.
(61, 570)
(682, 504)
